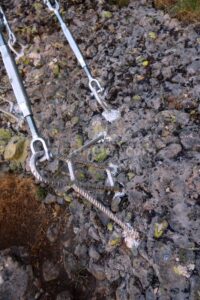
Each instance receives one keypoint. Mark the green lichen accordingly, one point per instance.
(136, 98)
(5, 135)
(17, 151)
(145, 63)
(80, 176)
(152, 35)
(115, 241)
(78, 141)
(100, 154)
(38, 6)
(54, 132)
(110, 226)
(98, 128)
(128, 217)
(67, 198)
(74, 120)
(14, 149)
(56, 70)
(130, 175)
(95, 173)
(159, 229)
(106, 14)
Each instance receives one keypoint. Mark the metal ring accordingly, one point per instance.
(93, 80)
(45, 150)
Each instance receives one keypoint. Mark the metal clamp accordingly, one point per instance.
(12, 40)
(52, 5)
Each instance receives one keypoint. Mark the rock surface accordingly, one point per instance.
(149, 66)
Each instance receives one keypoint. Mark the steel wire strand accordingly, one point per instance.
(100, 206)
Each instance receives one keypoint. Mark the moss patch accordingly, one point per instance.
(185, 10)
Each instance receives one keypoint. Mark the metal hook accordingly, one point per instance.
(96, 89)
(94, 82)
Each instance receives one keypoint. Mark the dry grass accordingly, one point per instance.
(186, 10)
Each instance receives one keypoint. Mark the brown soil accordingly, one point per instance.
(23, 219)
(164, 3)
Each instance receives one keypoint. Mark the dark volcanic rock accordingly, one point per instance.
(16, 278)
(190, 138)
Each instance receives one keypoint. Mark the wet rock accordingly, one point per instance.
(93, 253)
(81, 251)
(50, 199)
(70, 264)
(194, 287)
(169, 152)
(174, 116)
(97, 271)
(190, 139)
(52, 232)
(193, 68)
(121, 293)
(167, 72)
(118, 267)
(16, 278)
(64, 296)
(164, 256)
(93, 234)
(179, 218)
(198, 265)
(142, 273)
(149, 294)
(50, 271)
(103, 218)
(115, 204)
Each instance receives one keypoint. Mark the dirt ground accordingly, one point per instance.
(60, 247)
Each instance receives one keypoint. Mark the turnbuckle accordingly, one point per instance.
(94, 85)
(23, 101)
